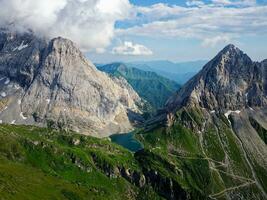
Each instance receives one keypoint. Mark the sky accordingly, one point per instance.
(136, 30)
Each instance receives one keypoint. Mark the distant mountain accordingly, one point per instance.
(51, 83)
(179, 72)
(152, 87)
(212, 135)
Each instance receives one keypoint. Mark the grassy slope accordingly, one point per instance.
(50, 163)
(153, 88)
(38, 163)
(19, 181)
(205, 168)
(180, 150)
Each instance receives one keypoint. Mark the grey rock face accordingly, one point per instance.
(55, 84)
(230, 81)
(228, 96)
(21, 56)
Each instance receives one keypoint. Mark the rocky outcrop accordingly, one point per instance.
(51, 83)
(228, 96)
(230, 81)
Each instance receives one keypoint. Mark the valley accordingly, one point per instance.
(150, 86)
(71, 130)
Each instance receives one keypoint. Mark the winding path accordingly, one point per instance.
(250, 166)
(215, 196)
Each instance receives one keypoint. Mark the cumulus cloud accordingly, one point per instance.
(89, 23)
(129, 48)
(210, 23)
(195, 3)
(211, 42)
(234, 3)
(222, 2)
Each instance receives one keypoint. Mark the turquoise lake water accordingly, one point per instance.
(127, 141)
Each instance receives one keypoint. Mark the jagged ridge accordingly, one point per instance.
(51, 82)
(219, 116)
(231, 80)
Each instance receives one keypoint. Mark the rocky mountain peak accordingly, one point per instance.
(230, 57)
(52, 83)
(231, 80)
(63, 46)
(231, 48)
(20, 56)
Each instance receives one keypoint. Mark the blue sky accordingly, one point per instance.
(188, 30)
(130, 30)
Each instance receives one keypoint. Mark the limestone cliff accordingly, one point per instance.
(51, 83)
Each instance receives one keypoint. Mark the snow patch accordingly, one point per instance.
(251, 108)
(7, 81)
(227, 113)
(48, 101)
(237, 111)
(3, 94)
(13, 122)
(231, 111)
(246, 95)
(2, 78)
(19, 101)
(22, 116)
(21, 46)
(16, 87)
(213, 111)
(1, 121)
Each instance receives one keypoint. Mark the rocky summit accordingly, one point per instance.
(213, 130)
(229, 81)
(209, 142)
(50, 83)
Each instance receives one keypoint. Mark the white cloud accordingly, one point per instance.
(195, 3)
(209, 23)
(89, 23)
(211, 42)
(235, 3)
(222, 2)
(129, 48)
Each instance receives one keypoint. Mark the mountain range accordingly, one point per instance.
(208, 142)
(178, 72)
(150, 86)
